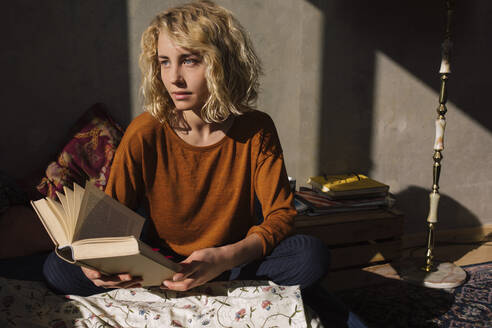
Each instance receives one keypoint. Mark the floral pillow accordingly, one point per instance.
(87, 156)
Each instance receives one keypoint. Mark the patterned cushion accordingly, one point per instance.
(87, 156)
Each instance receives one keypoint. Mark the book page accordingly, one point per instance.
(71, 206)
(78, 195)
(102, 216)
(67, 215)
(59, 212)
(50, 222)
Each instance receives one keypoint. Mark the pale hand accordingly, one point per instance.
(122, 280)
(200, 267)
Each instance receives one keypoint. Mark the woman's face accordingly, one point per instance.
(183, 74)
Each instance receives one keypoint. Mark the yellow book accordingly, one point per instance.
(347, 185)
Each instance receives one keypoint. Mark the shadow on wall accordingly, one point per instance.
(59, 57)
(414, 202)
(409, 32)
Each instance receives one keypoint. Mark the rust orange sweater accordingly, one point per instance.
(203, 197)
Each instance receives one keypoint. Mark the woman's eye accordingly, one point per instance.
(164, 63)
(190, 61)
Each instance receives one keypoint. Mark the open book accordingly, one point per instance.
(91, 229)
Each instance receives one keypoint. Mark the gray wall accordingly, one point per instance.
(352, 86)
(58, 57)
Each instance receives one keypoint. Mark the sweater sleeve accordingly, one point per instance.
(273, 191)
(126, 177)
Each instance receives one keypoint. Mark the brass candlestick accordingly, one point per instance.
(443, 274)
(434, 196)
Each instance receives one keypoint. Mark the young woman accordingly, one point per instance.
(197, 160)
(207, 169)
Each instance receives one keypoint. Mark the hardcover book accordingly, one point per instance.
(91, 229)
(348, 185)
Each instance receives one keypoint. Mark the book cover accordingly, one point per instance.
(347, 184)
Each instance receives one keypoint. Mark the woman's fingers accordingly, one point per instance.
(122, 280)
(182, 285)
(192, 280)
(125, 276)
(91, 273)
(188, 270)
(115, 282)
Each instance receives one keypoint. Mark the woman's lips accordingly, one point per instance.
(181, 95)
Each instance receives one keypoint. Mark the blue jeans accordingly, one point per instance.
(297, 260)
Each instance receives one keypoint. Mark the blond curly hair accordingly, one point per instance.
(233, 68)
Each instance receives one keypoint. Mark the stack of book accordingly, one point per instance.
(342, 193)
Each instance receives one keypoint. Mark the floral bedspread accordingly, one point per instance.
(248, 304)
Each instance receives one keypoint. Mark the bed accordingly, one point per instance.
(217, 304)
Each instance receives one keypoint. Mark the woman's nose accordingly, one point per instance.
(176, 76)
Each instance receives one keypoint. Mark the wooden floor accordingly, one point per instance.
(459, 254)
(462, 247)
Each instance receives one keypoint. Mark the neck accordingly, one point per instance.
(194, 130)
(194, 121)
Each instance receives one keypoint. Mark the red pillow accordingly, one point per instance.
(87, 156)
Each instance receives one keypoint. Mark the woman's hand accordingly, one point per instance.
(200, 267)
(122, 280)
(206, 264)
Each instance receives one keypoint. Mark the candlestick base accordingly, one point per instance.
(444, 275)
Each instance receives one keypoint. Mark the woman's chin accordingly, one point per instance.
(181, 107)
